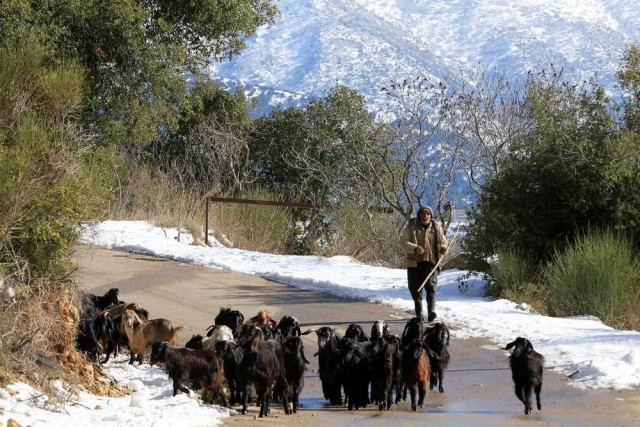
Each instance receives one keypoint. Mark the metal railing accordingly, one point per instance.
(254, 202)
(265, 203)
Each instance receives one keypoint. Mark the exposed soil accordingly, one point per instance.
(478, 385)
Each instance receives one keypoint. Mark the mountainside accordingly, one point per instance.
(365, 44)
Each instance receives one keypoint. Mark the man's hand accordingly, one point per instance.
(419, 250)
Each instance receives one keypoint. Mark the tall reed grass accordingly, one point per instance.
(597, 275)
(510, 271)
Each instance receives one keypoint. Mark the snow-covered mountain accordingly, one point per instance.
(365, 44)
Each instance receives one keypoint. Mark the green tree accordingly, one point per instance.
(556, 178)
(629, 82)
(315, 153)
(271, 141)
(136, 53)
(208, 151)
(626, 176)
(51, 177)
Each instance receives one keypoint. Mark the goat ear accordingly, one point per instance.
(304, 358)
(254, 344)
(529, 347)
(511, 344)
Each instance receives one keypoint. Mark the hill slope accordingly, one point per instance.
(365, 44)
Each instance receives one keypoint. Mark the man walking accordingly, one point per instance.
(425, 243)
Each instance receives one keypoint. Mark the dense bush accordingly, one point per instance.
(595, 276)
(510, 271)
(50, 177)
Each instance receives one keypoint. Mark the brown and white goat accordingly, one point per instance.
(218, 333)
(263, 318)
(415, 370)
(119, 309)
(141, 333)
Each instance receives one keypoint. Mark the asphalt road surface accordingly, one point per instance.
(478, 385)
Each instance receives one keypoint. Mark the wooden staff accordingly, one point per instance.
(441, 258)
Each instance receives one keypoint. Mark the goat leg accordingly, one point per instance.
(422, 392)
(245, 399)
(177, 386)
(433, 381)
(264, 405)
(413, 390)
(527, 395)
(538, 389)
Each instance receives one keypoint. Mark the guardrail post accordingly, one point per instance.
(206, 223)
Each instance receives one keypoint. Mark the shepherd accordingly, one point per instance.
(424, 243)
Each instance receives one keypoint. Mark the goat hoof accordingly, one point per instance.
(441, 389)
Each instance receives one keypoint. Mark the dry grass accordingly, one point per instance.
(155, 197)
(38, 328)
(254, 227)
(528, 293)
(631, 320)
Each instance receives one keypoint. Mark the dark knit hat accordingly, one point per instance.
(425, 208)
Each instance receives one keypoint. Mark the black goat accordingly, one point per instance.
(413, 330)
(199, 367)
(230, 318)
(195, 342)
(384, 354)
(107, 300)
(263, 366)
(91, 329)
(290, 327)
(355, 372)
(526, 370)
(437, 339)
(379, 329)
(269, 333)
(356, 332)
(294, 366)
(328, 370)
(231, 354)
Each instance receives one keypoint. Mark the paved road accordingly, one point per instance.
(478, 386)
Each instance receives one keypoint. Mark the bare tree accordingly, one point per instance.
(411, 157)
(217, 159)
(485, 114)
(420, 148)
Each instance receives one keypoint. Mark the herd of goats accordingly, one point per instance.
(268, 356)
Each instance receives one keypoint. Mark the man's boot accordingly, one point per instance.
(418, 305)
(431, 306)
